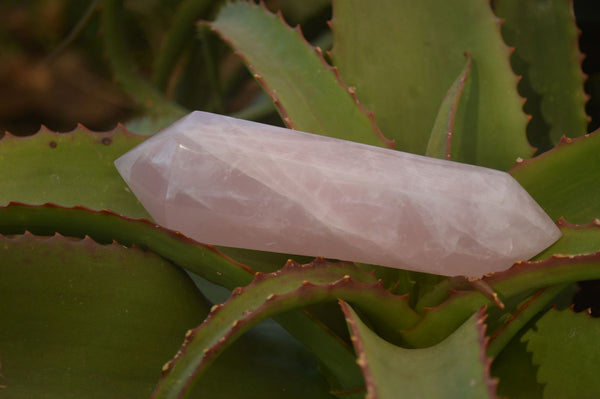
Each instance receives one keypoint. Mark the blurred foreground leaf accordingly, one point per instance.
(83, 320)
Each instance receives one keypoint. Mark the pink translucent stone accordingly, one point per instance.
(231, 182)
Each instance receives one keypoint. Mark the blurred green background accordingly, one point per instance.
(50, 78)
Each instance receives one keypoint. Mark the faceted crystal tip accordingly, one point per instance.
(236, 183)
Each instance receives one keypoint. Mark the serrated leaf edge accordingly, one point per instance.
(362, 361)
(523, 276)
(562, 222)
(193, 361)
(564, 142)
(581, 57)
(361, 358)
(118, 129)
(84, 241)
(535, 359)
(455, 89)
(272, 94)
(171, 234)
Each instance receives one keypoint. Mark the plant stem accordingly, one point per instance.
(183, 29)
(77, 29)
(212, 68)
(123, 66)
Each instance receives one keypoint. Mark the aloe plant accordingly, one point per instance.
(96, 300)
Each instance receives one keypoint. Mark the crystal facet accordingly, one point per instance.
(236, 183)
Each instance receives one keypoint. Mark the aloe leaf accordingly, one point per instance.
(565, 346)
(513, 365)
(293, 286)
(442, 134)
(260, 357)
(81, 319)
(262, 261)
(263, 363)
(106, 226)
(517, 375)
(68, 169)
(418, 53)
(576, 239)
(564, 181)
(547, 55)
(441, 292)
(306, 90)
(523, 277)
(455, 368)
(204, 260)
(532, 307)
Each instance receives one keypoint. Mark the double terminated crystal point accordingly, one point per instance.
(231, 182)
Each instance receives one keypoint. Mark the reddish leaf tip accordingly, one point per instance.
(359, 349)
(492, 383)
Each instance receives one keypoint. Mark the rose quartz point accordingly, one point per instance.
(236, 183)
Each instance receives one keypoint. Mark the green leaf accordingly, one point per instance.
(402, 56)
(547, 55)
(264, 363)
(106, 227)
(564, 345)
(308, 92)
(518, 318)
(265, 355)
(293, 286)
(262, 261)
(442, 134)
(515, 372)
(564, 181)
(455, 368)
(68, 169)
(575, 239)
(440, 321)
(83, 320)
(201, 259)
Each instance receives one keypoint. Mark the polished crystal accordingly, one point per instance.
(236, 183)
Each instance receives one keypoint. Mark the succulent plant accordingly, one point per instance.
(96, 299)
